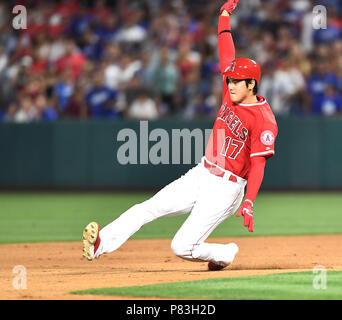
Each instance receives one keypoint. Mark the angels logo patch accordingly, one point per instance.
(267, 138)
(231, 68)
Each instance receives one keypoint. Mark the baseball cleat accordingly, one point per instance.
(212, 266)
(91, 240)
(231, 251)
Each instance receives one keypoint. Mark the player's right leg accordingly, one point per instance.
(218, 199)
(176, 198)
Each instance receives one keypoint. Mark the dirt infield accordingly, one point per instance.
(55, 269)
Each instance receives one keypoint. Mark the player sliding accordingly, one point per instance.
(241, 141)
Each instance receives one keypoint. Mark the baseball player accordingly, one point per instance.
(242, 140)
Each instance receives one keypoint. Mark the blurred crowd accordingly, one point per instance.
(150, 59)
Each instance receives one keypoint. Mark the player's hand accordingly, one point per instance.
(246, 210)
(229, 6)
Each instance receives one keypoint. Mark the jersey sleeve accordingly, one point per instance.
(263, 139)
(226, 48)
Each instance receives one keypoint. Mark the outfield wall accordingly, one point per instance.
(72, 154)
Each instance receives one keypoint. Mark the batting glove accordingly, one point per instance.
(246, 210)
(229, 6)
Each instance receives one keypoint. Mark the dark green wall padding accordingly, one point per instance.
(75, 154)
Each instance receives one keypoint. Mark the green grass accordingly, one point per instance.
(286, 286)
(33, 217)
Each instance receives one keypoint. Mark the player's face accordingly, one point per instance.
(239, 92)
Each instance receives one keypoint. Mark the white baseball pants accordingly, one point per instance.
(209, 199)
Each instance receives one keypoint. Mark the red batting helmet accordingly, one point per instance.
(243, 68)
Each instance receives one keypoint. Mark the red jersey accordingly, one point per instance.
(240, 131)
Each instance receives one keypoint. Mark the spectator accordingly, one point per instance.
(201, 108)
(331, 102)
(63, 90)
(288, 85)
(100, 11)
(8, 93)
(50, 81)
(165, 80)
(40, 54)
(132, 34)
(101, 99)
(145, 73)
(57, 49)
(143, 108)
(80, 22)
(189, 88)
(34, 86)
(333, 30)
(76, 106)
(188, 59)
(267, 82)
(108, 29)
(3, 59)
(118, 75)
(45, 110)
(26, 112)
(169, 47)
(91, 46)
(302, 61)
(129, 94)
(72, 59)
(9, 116)
(317, 83)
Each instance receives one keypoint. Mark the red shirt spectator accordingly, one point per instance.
(39, 67)
(72, 60)
(67, 8)
(100, 11)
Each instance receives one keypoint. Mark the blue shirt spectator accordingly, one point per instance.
(333, 29)
(49, 114)
(317, 84)
(80, 23)
(328, 35)
(45, 109)
(331, 102)
(100, 101)
(108, 30)
(64, 89)
(63, 92)
(91, 45)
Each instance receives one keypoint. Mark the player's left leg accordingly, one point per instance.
(219, 199)
(176, 198)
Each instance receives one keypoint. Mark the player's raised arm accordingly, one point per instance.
(225, 41)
